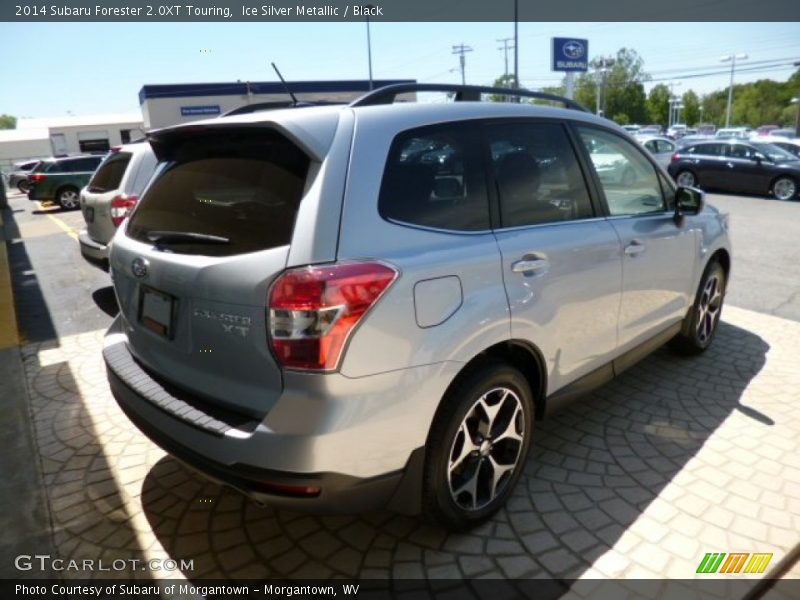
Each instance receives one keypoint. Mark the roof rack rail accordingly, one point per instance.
(463, 93)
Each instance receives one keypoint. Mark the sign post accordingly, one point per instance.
(570, 55)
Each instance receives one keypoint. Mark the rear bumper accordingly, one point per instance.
(94, 252)
(256, 456)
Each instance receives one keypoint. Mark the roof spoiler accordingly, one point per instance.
(463, 93)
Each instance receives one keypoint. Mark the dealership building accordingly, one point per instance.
(163, 105)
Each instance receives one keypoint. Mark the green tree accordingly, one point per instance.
(691, 108)
(658, 104)
(504, 81)
(8, 122)
(621, 86)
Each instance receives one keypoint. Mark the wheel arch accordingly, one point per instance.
(723, 258)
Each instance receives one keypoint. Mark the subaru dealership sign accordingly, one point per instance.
(570, 54)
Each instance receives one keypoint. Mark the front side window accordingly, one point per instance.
(434, 177)
(629, 181)
(537, 174)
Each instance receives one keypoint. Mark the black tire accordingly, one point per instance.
(696, 336)
(24, 186)
(495, 446)
(689, 178)
(68, 198)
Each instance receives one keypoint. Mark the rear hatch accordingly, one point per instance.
(193, 267)
(97, 195)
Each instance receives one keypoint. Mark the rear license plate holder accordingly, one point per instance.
(157, 312)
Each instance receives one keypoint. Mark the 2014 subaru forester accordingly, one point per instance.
(344, 307)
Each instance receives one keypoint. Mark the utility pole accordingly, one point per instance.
(601, 66)
(461, 50)
(369, 49)
(505, 48)
(516, 46)
(732, 58)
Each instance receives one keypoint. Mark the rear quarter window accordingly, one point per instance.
(109, 175)
(434, 177)
(243, 189)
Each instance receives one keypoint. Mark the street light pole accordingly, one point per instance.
(732, 58)
(796, 116)
(369, 51)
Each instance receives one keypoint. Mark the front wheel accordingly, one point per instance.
(784, 188)
(686, 179)
(68, 198)
(700, 325)
(477, 446)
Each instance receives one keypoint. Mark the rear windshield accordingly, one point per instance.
(109, 175)
(240, 192)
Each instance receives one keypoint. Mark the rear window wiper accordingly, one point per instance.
(160, 238)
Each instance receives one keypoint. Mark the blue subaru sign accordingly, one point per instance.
(570, 54)
(208, 109)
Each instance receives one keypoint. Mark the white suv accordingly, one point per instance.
(337, 308)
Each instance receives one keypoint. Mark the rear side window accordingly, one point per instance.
(537, 174)
(706, 149)
(434, 177)
(109, 175)
(224, 195)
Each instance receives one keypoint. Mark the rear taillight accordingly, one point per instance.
(313, 310)
(120, 207)
(115, 149)
(674, 157)
(37, 177)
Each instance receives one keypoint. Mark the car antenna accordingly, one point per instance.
(285, 85)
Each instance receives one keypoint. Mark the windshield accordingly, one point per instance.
(774, 153)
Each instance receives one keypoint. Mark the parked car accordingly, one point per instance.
(766, 130)
(791, 145)
(706, 129)
(110, 195)
(60, 179)
(688, 140)
(741, 133)
(314, 315)
(748, 167)
(660, 147)
(650, 130)
(18, 178)
(787, 133)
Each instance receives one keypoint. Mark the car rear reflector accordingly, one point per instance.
(313, 310)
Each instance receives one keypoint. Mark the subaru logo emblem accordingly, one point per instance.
(573, 50)
(139, 268)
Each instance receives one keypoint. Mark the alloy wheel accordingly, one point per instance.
(486, 449)
(686, 179)
(708, 309)
(784, 189)
(68, 199)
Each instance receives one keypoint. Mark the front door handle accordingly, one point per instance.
(635, 248)
(530, 265)
(730, 165)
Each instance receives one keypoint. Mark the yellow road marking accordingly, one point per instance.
(63, 226)
(9, 333)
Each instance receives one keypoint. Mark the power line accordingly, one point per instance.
(505, 48)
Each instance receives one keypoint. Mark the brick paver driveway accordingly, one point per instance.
(676, 458)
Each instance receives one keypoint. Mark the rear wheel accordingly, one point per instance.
(700, 325)
(68, 198)
(686, 179)
(478, 446)
(784, 188)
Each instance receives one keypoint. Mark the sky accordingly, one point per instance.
(54, 69)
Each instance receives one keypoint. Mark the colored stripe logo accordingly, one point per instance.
(735, 562)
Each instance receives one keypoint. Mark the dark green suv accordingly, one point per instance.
(60, 179)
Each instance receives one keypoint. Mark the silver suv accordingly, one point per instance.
(339, 308)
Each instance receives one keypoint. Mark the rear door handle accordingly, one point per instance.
(635, 248)
(530, 265)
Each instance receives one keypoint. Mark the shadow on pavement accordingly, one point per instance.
(592, 472)
(106, 300)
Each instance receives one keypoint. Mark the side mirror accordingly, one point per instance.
(688, 201)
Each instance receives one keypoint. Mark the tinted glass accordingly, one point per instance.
(434, 177)
(243, 189)
(774, 152)
(537, 174)
(109, 175)
(741, 151)
(94, 146)
(705, 149)
(629, 181)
